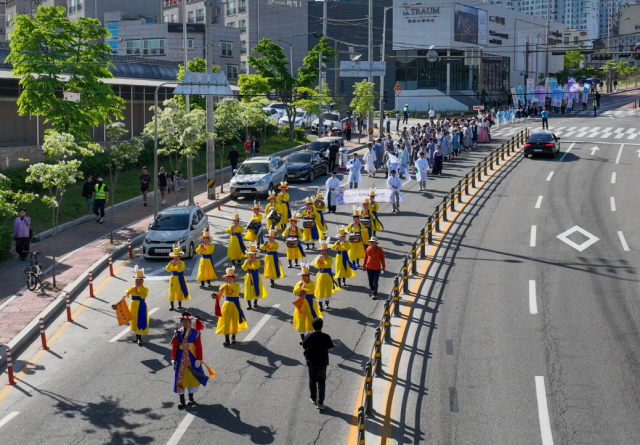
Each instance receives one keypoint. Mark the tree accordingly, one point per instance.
(273, 66)
(197, 65)
(53, 54)
(363, 98)
(252, 87)
(572, 59)
(55, 178)
(253, 117)
(120, 154)
(228, 125)
(11, 200)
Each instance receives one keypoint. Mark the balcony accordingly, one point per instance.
(242, 10)
(168, 3)
(243, 30)
(231, 11)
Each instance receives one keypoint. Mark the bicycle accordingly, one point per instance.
(34, 271)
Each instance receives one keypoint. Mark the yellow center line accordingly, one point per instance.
(394, 362)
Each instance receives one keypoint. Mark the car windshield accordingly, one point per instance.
(171, 222)
(540, 137)
(300, 114)
(331, 117)
(253, 168)
(279, 106)
(318, 146)
(299, 158)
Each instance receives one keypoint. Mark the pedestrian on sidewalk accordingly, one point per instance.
(388, 124)
(247, 149)
(255, 146)
(253, 287)
(432, 115)
(206, 271)
(405, 114)
(100, 196)
(398, 119)
(145, 180)
(22, 233)
(139, 323)
(233, 157)
(374, 265)
(545, 119)
(347, 130)
(395, 183)
(177, 283)
(231, 317)
(316, 352)
(354, 166)
(163, 183)
(306, 306)
(87, 193)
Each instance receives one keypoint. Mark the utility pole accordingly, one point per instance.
(187, 106)
(383, 53)
(370, 117)
(526, 68)
(324, 34)
(211, 148)
(546, 40)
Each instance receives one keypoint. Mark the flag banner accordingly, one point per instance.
(356, 196)
(122, 312)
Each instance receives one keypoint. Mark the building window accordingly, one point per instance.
(566, 40)
(174, 18)
(153, 47)
(243, 47)
(243, 67)
(226, 49)
(231, 7)
(232, 72)
(243, 26)
(72, 6)
(165, 18)
(575, 39)
(134, 47)
(190, 17)
(231, 24)
(199, 15)
(242, 6)
(114, 30)
(217, 11)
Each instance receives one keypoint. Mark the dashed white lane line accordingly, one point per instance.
(182, 428)
(567, 152)
(619, 154)
(538, 202)
(613, 177)
(124, 332)
(533, 304)
(261, 323)
(613, 204)
(6, 419)
(532, 241)
(543, 411)
(221, 261)
(625, 246)
(550, 176)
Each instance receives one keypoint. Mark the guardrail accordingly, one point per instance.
(373, 368)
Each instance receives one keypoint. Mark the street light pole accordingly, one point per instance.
(211, 147)
(546, 40)
(370, 116)
(383, 54)
(324, 34)
(187, 106)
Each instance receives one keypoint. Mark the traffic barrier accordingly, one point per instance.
(473, 177)
(460, 191)
(479, 170)
(486, 171)
(414, 257)
(368, 390)
(68, 304)
(423, 250)
(429, 231)
(91, 284)
(396, 296)
(466, 184)
(444, 208)
(218, 200)
(361, 432)
(387, 322)
(405, 279)
(502, 151)
(452, 199)
(43, 335)
(491, 160)
(436, 220)
(111, 265)
(130, 249)
(10, 367)
(378, 353)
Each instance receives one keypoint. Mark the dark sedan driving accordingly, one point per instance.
(542, 143)
(306, 165)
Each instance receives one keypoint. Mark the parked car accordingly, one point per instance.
(275, 110)
(302, 118)
(306, 165)
(330, 120)
(258, 175)
(181, 225)
(321, 144)
(541, 143)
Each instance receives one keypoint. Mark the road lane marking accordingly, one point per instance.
(613, 204)
(156, 272)
(194, 272)
(625, 246)
(8, 418)
(261, 323)
(613, 177)
(543, 412)
(538, 202)
(532, 242)
(533, 305)
(567, 152)
(123, 333)
(220, 262)
(549, 177)
(182, 428)
(619, 154)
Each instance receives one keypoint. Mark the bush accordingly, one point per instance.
(6, 238)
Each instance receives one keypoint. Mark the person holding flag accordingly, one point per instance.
(272, 268)
(253, 287)
(325, 283)
(206, 271)
(178, 290)
(254, 229)
(306, 305)
(139, 323)
(292, 235)
(236, 248)
(344, 267)
(231, 318)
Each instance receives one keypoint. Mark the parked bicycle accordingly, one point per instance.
(34, 271)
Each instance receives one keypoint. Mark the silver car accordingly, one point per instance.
(258, 175)
(178, 224)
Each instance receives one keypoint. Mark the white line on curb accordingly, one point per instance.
(613, 204)
(8, 417)
(123, 333)
(625, 246)
(619, 154)
(182, 428)
(539, 202)
(543, 412)
(532, 242)
(549, 177)
(613, 177)
(533, 305)
(261, 323)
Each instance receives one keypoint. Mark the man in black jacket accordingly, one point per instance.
(233, 157)
(87, 193)
(332, 153)
(316, 350)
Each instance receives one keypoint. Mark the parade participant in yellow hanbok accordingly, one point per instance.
(236, 249)
(344, 266)
(355, 229)
(311, 224)
(275, 207)
(253, 287)
(254, 232)
(190, 371)
(320, 206)
(283, 201)
(374, 207)
(139, 323)
(177, 283)
(206, 272)
(325, 283)
(292, 234)
(231, 318)
(272, 268)
(306, 305)
(365, 221)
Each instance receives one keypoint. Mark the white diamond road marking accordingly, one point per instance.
(592, 239)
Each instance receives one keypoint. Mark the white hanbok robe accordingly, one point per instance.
(330, 198)
(354, 166)
(403, 155)
(369, 159)
(422, 164)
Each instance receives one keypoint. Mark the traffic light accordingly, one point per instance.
(386, 96)
(341, 85)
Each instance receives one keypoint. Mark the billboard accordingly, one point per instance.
(421, 25)
(470, 25)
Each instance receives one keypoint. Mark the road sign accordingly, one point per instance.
(362, 68)
(70, 96)
(432, 55)
(478, 107)
(398, 89)
(211, 184)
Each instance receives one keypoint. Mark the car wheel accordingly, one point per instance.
(190, 253)
(312, 175)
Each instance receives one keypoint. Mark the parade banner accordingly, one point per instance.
(585, 94)
(122, 312)
(540, 94)
(514, 96)
(356, 196)
(520, 90)
(556, 99)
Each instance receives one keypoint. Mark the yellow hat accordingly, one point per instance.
(138, 273)
(236, 216)
(372, 192)
(176, 251)
(230, 272)
(356, 211)
(341, 231)
(283, 185)
(272, 195)
(272, 232)
(256, 205)
(294, 217)
(206, 234)
(365, 201)
(304, 269)
(309, 200)
(320, 196)
(324, 244)
(252, 249)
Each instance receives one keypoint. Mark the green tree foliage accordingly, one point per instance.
(53, 54)
(197, 65)
(572, 59)
(363, 98)
(252, 87)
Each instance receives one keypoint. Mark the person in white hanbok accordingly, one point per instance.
(354, 166)
(369, 159)
(422, 164)
(403, 156)
(332, 185)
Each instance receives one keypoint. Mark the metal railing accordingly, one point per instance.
(373, 367)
